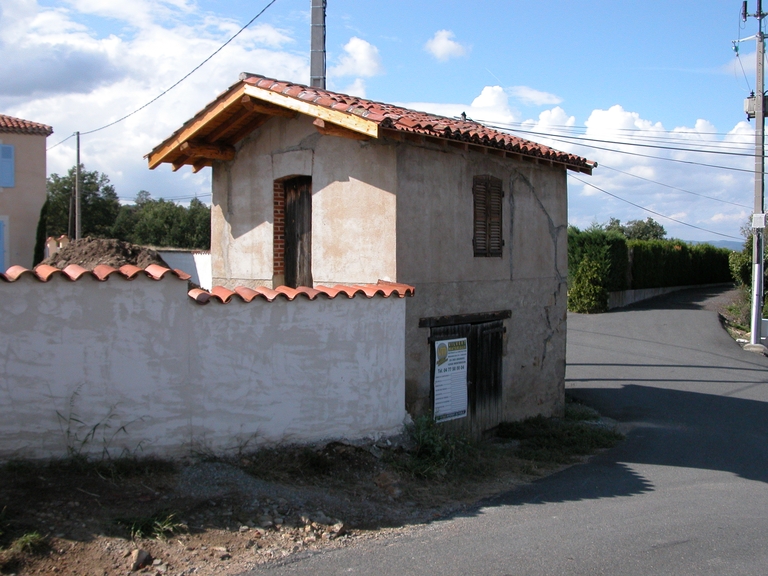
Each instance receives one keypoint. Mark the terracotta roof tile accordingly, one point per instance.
(224, 295)
(12, 125)
(398, 118)
(102, 272)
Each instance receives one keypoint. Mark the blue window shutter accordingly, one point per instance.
(7, 171)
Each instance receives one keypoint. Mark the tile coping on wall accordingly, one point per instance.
(102, 272)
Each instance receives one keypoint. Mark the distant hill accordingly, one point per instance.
(730, 244)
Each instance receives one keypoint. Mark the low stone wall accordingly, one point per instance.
(137, 366)
(627, 297)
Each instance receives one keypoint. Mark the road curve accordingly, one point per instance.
(686, 493)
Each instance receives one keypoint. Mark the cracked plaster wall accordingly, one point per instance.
(435, 254)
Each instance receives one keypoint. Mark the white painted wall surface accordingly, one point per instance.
(196, 264)
(178, 375)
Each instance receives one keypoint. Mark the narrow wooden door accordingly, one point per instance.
(298, 232)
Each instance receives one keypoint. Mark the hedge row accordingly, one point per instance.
(615, 264)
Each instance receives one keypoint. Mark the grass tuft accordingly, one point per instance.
(553, 441)
(435, 453)
(159, 525)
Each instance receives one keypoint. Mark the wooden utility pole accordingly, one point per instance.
(78, 220)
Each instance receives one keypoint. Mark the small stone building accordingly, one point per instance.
(312, 187)
(22, 187)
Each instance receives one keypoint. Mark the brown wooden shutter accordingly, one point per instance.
(488, 238)
(298, 232)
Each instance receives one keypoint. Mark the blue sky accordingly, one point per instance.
(658, 73)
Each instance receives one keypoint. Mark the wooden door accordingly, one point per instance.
(298, 232)
(485, 346)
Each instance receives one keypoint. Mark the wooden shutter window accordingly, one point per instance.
(487, 194)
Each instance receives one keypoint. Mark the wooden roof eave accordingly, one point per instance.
(170, 147)
(343, 119)
(275, 104)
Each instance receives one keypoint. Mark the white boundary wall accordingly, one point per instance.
(181, 376)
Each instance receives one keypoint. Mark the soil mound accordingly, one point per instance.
(90, 252)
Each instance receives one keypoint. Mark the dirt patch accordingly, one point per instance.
(228, 515)
(90, 252)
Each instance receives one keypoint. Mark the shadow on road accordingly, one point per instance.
(668, 428)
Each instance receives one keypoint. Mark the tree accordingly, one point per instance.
(98, 202)
(637, 229)
(164, 223)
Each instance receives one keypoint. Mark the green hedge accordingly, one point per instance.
(615, 264)
(665, 263)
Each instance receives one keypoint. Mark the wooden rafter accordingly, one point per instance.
(328, 129)
(343, 119)
(226, 127)
(258, 107)
(257, 122)
(209, 151)
(200, 164)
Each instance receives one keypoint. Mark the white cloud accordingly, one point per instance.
(58, 70)
(534, 97)
(357, 88)
(443, 47)
(360, 58)
(492, 106)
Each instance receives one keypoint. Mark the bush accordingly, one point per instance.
(607, 248)
(740, 264)
(588, 293)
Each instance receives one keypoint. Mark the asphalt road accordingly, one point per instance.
(686, 493)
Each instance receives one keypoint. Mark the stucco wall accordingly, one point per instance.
(22, 203)
(354, 188)
(179, 375)
(435, 254)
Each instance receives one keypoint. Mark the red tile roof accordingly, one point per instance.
(407, 120)
(214, 117)
(19, 126)
(102, 272)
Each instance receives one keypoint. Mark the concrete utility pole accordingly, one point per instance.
(78, 227)
(317, 48)
(758, 218)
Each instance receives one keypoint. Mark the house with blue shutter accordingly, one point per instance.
(22, 187)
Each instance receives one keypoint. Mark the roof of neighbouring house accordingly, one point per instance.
(212, 133)
(19, 126)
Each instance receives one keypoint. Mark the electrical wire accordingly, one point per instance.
(195, 69)
(653, 211)
(579, 140)
(689, 162)
(676, 188)
(61, 142)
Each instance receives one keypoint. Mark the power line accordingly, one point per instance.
(61, 142)
(195, 69)
(653, 211)
(676, 188)
(690, 162)
(579, 140)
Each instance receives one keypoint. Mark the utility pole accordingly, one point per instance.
(317, 46)
(758, 217)
(78, 220)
